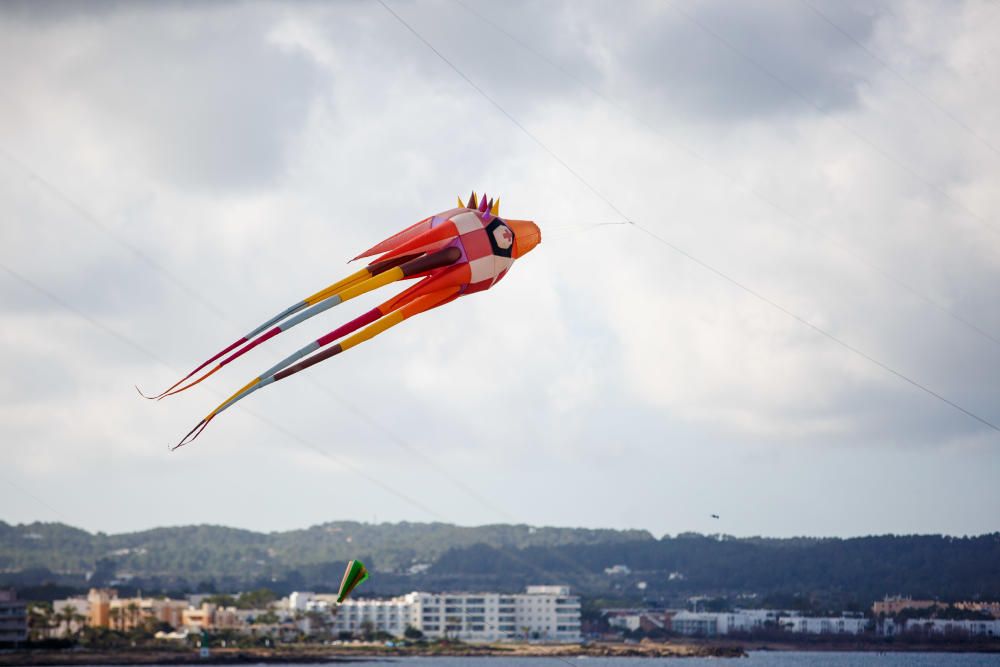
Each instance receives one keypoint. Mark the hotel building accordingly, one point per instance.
(544, 613)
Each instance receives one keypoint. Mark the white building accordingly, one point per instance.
(13, 619)
(701, 624)
(547, 613)
(61, 609)
(709, 624)
(625, 620)
(299, 600)
(636, 619)
(941, 626)
(750, 620)
(826, 626)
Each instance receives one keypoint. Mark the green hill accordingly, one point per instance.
(805, 572)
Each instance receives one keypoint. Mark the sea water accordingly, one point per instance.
(755, 659)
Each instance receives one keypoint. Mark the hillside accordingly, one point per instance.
(805, 572)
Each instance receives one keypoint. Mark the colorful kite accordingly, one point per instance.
(353, 575)
(456, 253)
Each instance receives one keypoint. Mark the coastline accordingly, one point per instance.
(362, 653)
(341, 654)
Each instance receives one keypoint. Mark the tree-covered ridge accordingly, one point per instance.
(865, 568)
(217, 550)
(813, 573)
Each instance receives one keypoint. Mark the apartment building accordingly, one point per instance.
(707, 624)
(544, 613)
(102, 608)
(13, 619)
(892, 605)
(943, 626)
(826, 625)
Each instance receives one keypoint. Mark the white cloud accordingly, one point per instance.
(249, 150)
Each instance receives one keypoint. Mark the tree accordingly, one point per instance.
(221, 600)
(73, 620)
(258, 599)
(132, 610)
(151, 624)
(267, 618)
(41, 620)
(319, 622)
(114, 616)
(79, 622)
(412, 633)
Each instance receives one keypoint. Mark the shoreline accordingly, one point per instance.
(374, 652)
(341, 654)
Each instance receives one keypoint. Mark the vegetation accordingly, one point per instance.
(47, 560)
(258, 599)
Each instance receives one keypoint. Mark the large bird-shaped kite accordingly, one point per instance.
(456, 253)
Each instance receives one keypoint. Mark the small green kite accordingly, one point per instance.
(354, 575)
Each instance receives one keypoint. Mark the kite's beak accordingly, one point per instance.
(526, 236)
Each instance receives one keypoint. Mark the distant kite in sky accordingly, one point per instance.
(456, 253)
(353, 575)
(715, 516)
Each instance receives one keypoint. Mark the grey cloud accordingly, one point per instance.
(649, 53)
(623, 351)
(199, 91)
(674, 57)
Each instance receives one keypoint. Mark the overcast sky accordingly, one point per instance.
(173, 174)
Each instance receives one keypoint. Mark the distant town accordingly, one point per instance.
(542, 613)
(443, 589)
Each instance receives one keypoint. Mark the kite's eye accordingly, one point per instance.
(503, 236)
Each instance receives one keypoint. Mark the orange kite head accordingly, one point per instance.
(526, 236)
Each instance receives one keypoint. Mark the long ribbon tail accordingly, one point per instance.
(418, 305)
(371, 277)
(450, 278)
(287, 312)
(377, 323)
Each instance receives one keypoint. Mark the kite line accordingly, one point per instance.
(857, 256)
(677, 249)
(881, 61)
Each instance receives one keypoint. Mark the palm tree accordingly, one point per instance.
(133, 614)
(74, 620)
(40, 619)
(149, 620)
(114, 616)
(68, 616)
